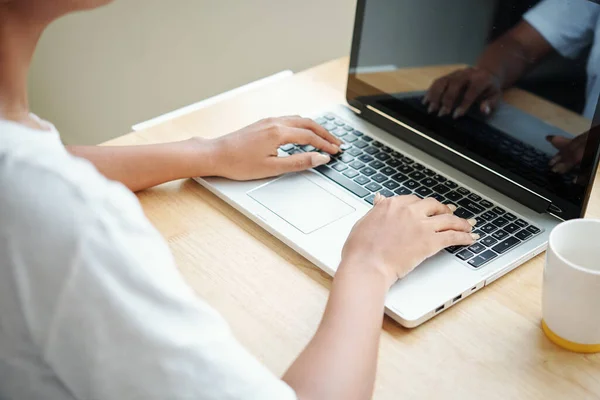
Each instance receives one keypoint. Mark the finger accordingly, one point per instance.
(431, 206)
(378, 199)
(297, 162)
(448, 222)
(473, 93)
(405, 200)
(434, 95)
(455, 238)
(489, 105)
(568, 159)
(307, 123)
(306, 136)
(559, 142)
(452, 94)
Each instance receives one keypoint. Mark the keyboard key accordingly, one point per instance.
(489, 241)
(441, 189)
(407, 160)
(329, 117)
(357, 133)
(350, 138)
(453, 196)
(350, 173)
(489, 228)
(348, 128)
(388, 171)
(506, 245)
(500, 234)
(386, 149)
(339, 123)
(439, 178)
(429, 182)
(330, 127)
(309, 148)
(400, 177)
(345, 146)
(464, 255)
(463, 191)
(474, 197)
(373, 187)
(462, 213)
(521, 223)
(382, 156)
(533, 229)
(480, 233)
(402, 191)
(361, 144)
(412, 184)
(379, 178)
(362, 180)
(429, 172)
(405, 169)
(287, 147)
(368, 171)
(417, 176)
(418, 166)
(453, 249)
(486, 204)
(376, 164)
(340, 167)
(321, 120)
(476, 248)
(391, 185)
(511, 228)
(342, 181)
(356, 164)
(500, 222)
(524, 234)
(370, 199)
(451, 184)
(423, 191)
(509, 217)
(347, 158)
(498, 210)
(488, 216)
(386, 193)
(483, 258)
(367, 139)
(393, 163)
(471, 206)
(377, 144)
(339, 132)
(365, 158)
(438, 197)
(354, 152)
(371, 150)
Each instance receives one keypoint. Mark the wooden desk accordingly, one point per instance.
(487, 347)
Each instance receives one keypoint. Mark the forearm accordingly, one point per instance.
(340, 361)
(141, 167)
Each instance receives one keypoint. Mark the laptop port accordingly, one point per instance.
(474, 288)
(440, 308)
(457, 298)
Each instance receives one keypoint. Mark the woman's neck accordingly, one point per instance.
(18, 39)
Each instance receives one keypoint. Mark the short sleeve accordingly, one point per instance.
(128, 327)
(568, 25)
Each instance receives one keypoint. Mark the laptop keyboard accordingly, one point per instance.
(367, 166)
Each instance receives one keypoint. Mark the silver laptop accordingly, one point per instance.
(494, 169)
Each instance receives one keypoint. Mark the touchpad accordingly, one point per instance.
(301, 202)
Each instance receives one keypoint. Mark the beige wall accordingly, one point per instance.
(96, 74)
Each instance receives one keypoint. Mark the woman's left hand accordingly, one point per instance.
(251, 152)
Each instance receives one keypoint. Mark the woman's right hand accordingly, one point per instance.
(455, 94)
(401, 232)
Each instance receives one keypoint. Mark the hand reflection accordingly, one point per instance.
(457, 92)
(570, 152)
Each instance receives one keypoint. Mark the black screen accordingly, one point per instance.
(440, 67)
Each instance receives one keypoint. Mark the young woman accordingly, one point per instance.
(91, 304)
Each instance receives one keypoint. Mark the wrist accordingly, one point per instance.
(203, 156)
(370, 268)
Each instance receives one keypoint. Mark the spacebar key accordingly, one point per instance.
(342, 181)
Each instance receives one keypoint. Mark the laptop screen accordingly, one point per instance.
(507, 88)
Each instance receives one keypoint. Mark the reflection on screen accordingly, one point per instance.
(511, 84)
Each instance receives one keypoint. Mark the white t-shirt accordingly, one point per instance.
(570, 26)
(91, 303)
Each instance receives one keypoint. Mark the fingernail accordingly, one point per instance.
(560, 168)
(319, 159)
(549, 138)
(452, 207)
(338, 148)
(554, 160)
(458, 113)
(443, 111)
(378, 198)
(431, 108)
(487, 109)
(475, 236)
(472, 221)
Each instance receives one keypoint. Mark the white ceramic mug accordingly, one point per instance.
(571, 292)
